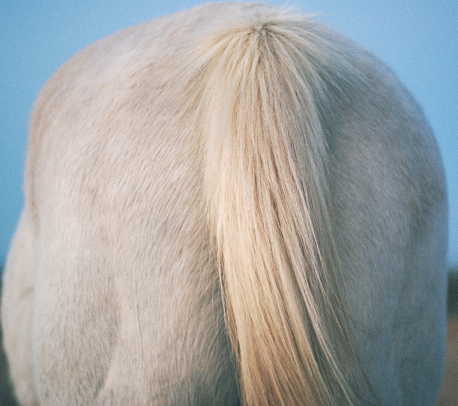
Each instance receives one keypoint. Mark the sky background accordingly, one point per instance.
(417, 39)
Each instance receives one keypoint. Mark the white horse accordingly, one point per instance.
(228, 205)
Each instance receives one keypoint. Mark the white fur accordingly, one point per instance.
(231, 204)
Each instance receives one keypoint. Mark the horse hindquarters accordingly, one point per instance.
(272, 129)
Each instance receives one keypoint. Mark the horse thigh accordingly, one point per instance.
(17, 297)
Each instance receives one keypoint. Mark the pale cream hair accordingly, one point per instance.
(265, 183)
(230, 180)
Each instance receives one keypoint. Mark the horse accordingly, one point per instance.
(229, 205)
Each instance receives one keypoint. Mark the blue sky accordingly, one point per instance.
(418, 39)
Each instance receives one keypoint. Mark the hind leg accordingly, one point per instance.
(16, 309)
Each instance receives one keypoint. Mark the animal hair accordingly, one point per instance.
(229, 205)
(267, 203)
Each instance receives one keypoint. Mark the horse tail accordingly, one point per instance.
(264, 160)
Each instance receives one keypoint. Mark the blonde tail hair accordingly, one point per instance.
(265, 184)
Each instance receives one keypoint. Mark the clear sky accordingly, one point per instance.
(418, 39)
